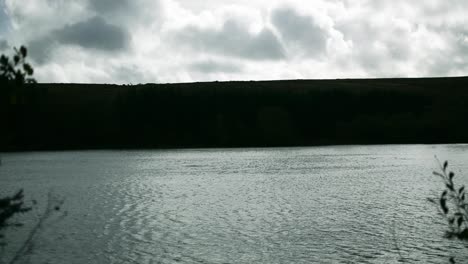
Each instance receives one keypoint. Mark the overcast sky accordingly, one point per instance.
(141, 41)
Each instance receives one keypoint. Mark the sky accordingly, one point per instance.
(167, 41)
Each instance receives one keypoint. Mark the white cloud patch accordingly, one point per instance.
(137, 41)
(301, 32)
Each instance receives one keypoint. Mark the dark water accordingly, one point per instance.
(284, 205)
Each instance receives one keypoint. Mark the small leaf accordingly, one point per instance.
(450, 186)
(451, 220)
(443, 205)
(4, 60)
(451, 175)
(463, 234)
(445, 165)
(444, 193)
(437, 174)
(23, 51)
(16, 59)
(461, 189)
(28, 69)
(19, 195)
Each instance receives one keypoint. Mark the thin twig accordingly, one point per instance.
(28, 244)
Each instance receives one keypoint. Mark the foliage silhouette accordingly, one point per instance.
(14, 74)
(452, 204)
(15, 93)
(9, 207)
(16, 70)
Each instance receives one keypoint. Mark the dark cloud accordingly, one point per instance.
(4, 45)
(94, 33)
(127, 12)
(298, 30)
(210, 66)
(233, 40)
(40, 49)
(106, 6)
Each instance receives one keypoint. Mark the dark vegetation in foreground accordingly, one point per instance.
(452, 204)
(10, 206)
(14, 74)
(235, 114)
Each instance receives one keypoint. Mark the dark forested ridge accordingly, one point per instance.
(235, 114)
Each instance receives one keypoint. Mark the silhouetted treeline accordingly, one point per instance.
(237, 114)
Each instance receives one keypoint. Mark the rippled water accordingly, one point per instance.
(350, 204)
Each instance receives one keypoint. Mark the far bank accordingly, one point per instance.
(236, 114)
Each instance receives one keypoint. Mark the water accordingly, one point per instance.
(350, 204)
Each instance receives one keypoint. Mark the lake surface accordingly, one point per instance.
(347, 204)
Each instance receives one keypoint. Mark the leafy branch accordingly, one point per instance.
(10, 206)
(17, 69)
(452, 204)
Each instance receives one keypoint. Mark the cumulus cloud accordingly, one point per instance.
(40, 49)
(127, 12)
(137, 41)
(300, 31)
(112, 6)
(232, 39)
(4, 20)
(94, 33)
(211, 66)
(4, 45)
